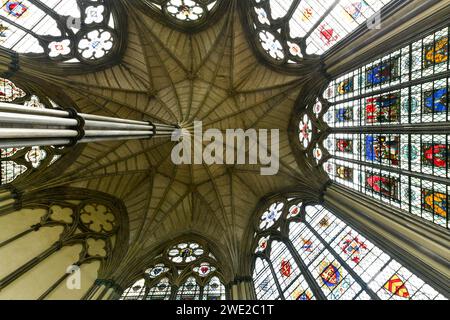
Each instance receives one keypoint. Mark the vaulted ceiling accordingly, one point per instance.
(173, 77)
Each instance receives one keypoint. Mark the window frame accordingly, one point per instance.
(58, 66)
(280, 232)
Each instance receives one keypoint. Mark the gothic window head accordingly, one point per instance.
(184, 271)
(70, 32)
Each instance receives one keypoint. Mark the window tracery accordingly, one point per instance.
(289, 31)
(185, 252)
(186, 271)
(16, 162)
(59, 232)
(311, 254)
(189, 12)
(69, 31)
(387, 122)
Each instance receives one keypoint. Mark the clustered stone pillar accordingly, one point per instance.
(242, 289)
(10, 199)
(22, 126)
(6, 199)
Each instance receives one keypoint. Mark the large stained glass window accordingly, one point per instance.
(309, 254)
(190, 290)
(9, 92)
(185, 271)
(214, 290)
(135, 292)
(21, 162)
(289, 30)
(63, 30)
(389, 136)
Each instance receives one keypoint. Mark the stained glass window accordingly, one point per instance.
(135, 292)
(265, 286)
(185, 252)
(289, 30)
(306, 131)
(185, 10)
(157, 270)
(319, 256)
(63, 30)
(17, 162)
(388, 123)
(204, 269)
(160, 291)
(154, 286)
(185, 271)
(271, 216)
(9, 92)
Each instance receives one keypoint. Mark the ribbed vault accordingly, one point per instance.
(174, 77)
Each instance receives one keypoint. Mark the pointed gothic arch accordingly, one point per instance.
(380, 129)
